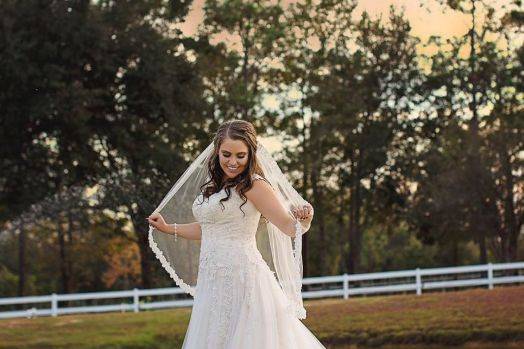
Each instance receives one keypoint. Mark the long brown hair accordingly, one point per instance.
(236, 130)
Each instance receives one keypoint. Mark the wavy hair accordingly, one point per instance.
(236, 130)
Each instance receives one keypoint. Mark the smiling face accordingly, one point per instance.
(233, 156)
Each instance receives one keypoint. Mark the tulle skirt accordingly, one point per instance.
(238, 307)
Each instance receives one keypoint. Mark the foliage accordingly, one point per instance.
(410, 159)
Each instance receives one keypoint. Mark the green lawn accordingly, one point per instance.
(445, 318)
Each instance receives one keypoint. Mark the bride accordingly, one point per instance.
(225, 258)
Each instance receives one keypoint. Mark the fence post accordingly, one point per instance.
(418, 281)
(345, 283)
(490, 276)
(136, 305)
(54, 305)
(31, 312)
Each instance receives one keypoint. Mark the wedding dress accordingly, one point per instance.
(238, 301)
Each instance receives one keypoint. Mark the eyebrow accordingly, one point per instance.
(242, 152)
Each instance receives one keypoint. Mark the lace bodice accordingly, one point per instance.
(228, 231)
(228, 219)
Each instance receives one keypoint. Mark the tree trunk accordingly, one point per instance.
(455, 257)
(305, 185)
(341, 225)
(69, 262)
(318, 201)
(483, 255)
(245, 73)
(355, 239)
(141, 230)
(21, 262)
(512, 231)
(63, 257)
(317, 197)
(474, 148)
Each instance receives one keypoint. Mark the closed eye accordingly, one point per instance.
(240, 157)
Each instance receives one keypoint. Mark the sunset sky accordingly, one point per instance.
(427, 18)
(424, 23)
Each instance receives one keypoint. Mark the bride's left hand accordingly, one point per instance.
(304, 212)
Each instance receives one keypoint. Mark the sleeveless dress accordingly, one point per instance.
(238, 301)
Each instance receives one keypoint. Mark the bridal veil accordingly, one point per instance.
(282, 253)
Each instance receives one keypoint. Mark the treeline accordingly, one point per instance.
(410, 159)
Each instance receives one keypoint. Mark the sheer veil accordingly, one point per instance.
(283, 254)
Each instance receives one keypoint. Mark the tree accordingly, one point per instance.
(366, 94)
(237, 74)
(95, 90)
(463, 93)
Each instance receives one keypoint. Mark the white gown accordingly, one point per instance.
(238, 301)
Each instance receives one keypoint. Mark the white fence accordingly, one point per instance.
(314, 287)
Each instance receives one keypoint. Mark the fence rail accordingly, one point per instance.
(345, 285)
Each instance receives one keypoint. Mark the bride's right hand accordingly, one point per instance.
(158, 222)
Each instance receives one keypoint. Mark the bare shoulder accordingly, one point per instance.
(260, 187)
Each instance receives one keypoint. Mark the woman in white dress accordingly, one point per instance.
(238, 301)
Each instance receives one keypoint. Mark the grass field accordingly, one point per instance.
(443, 319)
